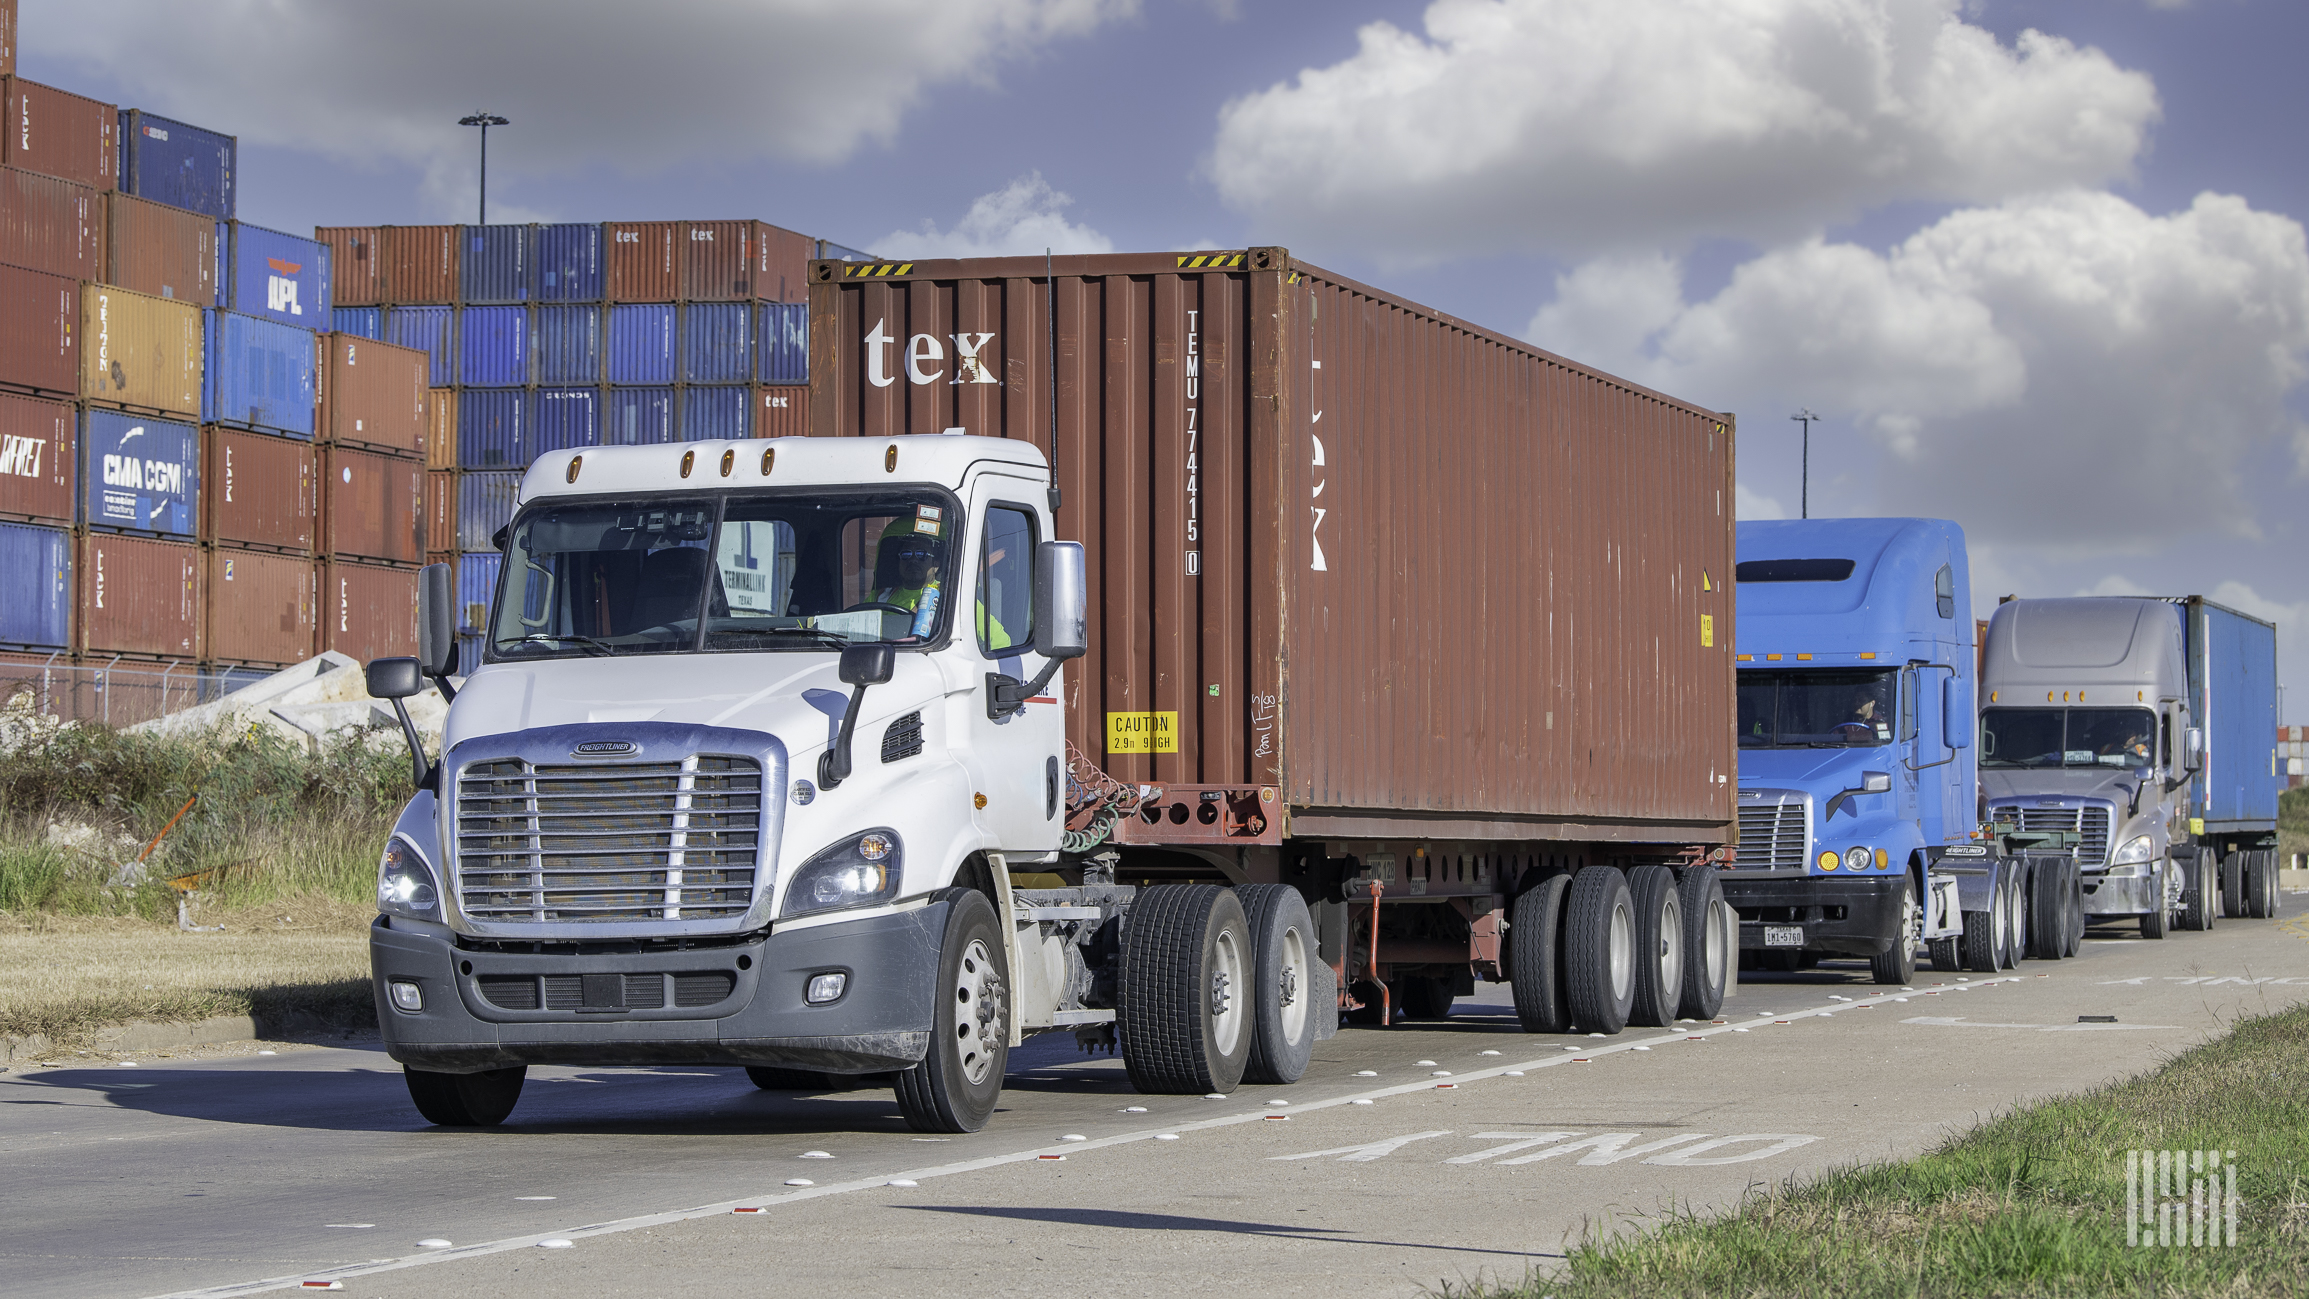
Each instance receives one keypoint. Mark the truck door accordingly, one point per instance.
(1017, 761)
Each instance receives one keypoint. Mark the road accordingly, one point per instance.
(1408, 1156)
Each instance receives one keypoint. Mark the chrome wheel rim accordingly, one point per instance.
(1225, 992)
(1671, 953)
(1621, 953)
(980, 1029)
(1291, 997)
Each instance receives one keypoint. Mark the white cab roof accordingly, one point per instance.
(773, 462)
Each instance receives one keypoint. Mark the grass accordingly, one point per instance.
(2029, 1204)
(2292, 823)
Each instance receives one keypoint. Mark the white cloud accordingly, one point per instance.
(1575, 126)
(1747, 504)
(1021, 219)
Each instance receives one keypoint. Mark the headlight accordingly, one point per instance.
(857, 872)
(2139, 848)
(1856, 859)
(405, 883)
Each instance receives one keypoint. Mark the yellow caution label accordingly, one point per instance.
(1707, 631)
(2196, 825)
(875, 270)
(1209, 261)
(1142, 732)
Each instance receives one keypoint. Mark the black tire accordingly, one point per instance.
(1896, 965)
(1711, 943)
(955, 1087)
(1944, 955)
(2015, 919)
(1659, 946)
(1599, 954)
(2073, 891)
(1982, 942)
(1184, 1015)
(2200, 903)
(465, 1100)
(2234, 903)
(2048, 912)
(2153, 920)
(2259, 872)
(1534, 952)
(1423, 996)
(1283, 982)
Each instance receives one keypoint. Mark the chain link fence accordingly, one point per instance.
(118, 693)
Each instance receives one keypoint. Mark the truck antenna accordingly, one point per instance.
(1805, 417)
(1050, 302)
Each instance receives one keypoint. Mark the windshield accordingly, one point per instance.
(1816, 709)
(2067, 737)
(794, 570)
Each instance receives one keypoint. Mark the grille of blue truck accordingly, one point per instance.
(1775, 829)
(2091, 822)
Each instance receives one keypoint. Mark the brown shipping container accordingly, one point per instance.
(356, 264)
(39, 452)
(420, 264)
(139, 351)
(441, 511)
(8, 38)
(52, 225)
(161, 250)
(139, 597)
(39, 316)
(368, 612)
(373, 394)
(441, 428)
(644, 260)
(1423, 580)
(263, 609)
(57, 133)
(725, 261)
(782, 412)
(258, 491)
(373, 507)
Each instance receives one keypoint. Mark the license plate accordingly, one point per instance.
(1783, 935)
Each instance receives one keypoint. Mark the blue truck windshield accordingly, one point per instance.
(1816, 709)
(2068, 737)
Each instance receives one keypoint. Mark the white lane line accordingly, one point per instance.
(788, 1195)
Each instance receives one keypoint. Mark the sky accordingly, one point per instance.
(2038, 265)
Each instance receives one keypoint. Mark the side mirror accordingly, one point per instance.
(1956, 715)
(1061, 599)
(436, 621)
(1875, 782)
(868, 665)
(2193, 751)
(395, 678)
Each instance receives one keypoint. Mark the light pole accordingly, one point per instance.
(1805, 417)
(484, 121)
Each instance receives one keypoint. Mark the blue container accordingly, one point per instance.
(497, 265)
(266, 273)
(367, 322)
(476, 589)
(493, 347)
(569, 345)
(638, 417)
(569, 263)
(708, 413)
(717, 342)
(485, 503)
(428, 329)
(258, 374)
(783, 342)
(565, 418)
(641, 344)
(35, 587)
(2233, 676)
(183, 166)
(492, 428)
(139, 475)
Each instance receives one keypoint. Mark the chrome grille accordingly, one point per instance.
(1775, 830)
(597, 842)
(2091, 823)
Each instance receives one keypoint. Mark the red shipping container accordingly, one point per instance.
(258, 491)
(8, 38)
(373, 395)
(441, 511)
(139, 598)
(367, 611)
(644, 260)
(39, 450)
(372, 506)
(57, 133)
(160, 250)
(782, 412)
(420, 264)
(263, 609)
(356, 264)
(39, 332)
(53, 225)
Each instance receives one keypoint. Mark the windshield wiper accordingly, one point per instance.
(835, 639)
(599, 649)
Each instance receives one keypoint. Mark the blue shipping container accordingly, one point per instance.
(35, 587)
(491, 424)
(2233, 676)
(496, 263)
(638, 417)
(493, 346)
(717, 342)
(266, 273)
(783, 341)
(569, 263)
(258, 374)
(565, 418)
(428, 329)
(173, 163)
(709, 413)
(569, 345)
(485, 503)
(366, 322)
(139, 475)
(476, 588)
(641, 344)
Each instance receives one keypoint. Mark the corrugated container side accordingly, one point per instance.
(485, 503)
(39, 459)
(258, 491)
(781, 263)
(356, 264)
(421, 264)
(781, 412)
(440, 512)
(366, 322)
(569, 344)
(711, 413)
(140, 351)
(279, 276)
(569, 263)
(139, 474)
(639, 417)
(493, 347)
(35, 587)
(498, 266)
(8, 27)
(368, 612)
(717, 342)
(372, 507)
(259, 374)
(431, 330)
(476, 576)
(51, 225)
(140, 597)
(374, 395)
(566, 417)
(262, 609)
(2233, 676)
(57, 133)
(642, 260)
(39, 318)
(177, 163)
(441, 428)
(643, 344)
(491, 428)
(160, 250)
(717, 260)
(782, 342)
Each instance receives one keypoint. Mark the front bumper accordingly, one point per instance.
(637, 1005)
(2128, 895)
(1852, 917)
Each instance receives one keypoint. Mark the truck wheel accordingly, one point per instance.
(1896, 965)
(1283, 982)
(1186, 1009)
(465, 1100)
(2234, 903)
(960, 1077)
(1711, 943)
(2198, 903)
(2048, 912)
(1659, 946)
(2153, 920)
(2073, 897)
(1423, 996)
(1982, 941)
(1599, 950)
(1944, 954)
(2259, 871)
(2015, 921)
(1534, 944)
